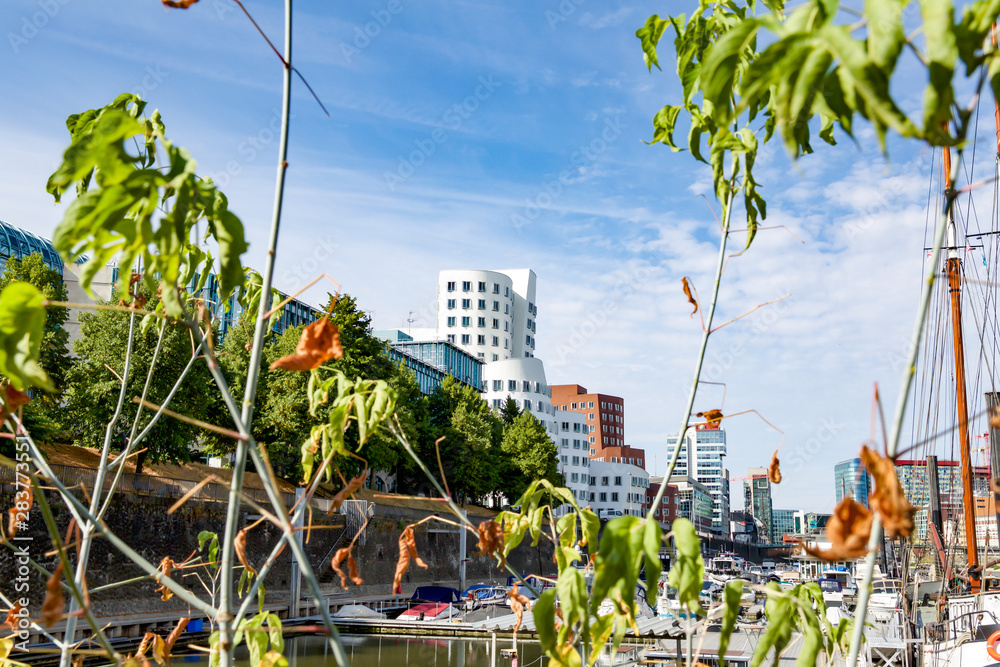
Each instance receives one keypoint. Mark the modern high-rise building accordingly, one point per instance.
(694, 502)
(701, 458)
(605, 415)
(914, 479)
(852, 481)
(757, 500)
(784, 524)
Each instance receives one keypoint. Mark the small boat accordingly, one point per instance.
(359, 611)
(885, 599)
(833, 592)
(486, 594)
(847, 583)
(430, 611)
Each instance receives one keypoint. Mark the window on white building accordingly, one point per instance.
(466, 321)
(451, 304)
(482, 287)
(496, 288)
(451, 286)
(481, 321)
(604, 497)
(451, 338)
(498, 385)
(604, 481)
(466, 285)
(496, 306)
(451, 321)
(576, 460)
(527, 405)
(614, 497)
(481, 340)
(465, 339)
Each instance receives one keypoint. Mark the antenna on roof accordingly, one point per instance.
(409, 322)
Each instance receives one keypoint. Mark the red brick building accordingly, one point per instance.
(605, 415)
(667, 511)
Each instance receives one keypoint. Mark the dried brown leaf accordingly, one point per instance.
(14, 398)
(168, 643)
(518, 603)
(335, 562)
(407, 550)
(995, 485)
(166, 565)
(140, 652)
(687, 293)
(352, 569)
(179, 4)
(53, 604)
(15, 615)
(888, 498)
(773, 470)
(159, 649)
(491, 541)
(995, 417)
(711, 416)
(240, 544)
(320, 342)
(848, 529)
(13, 521)
(347, 491)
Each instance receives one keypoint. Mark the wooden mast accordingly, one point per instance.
(954, 268)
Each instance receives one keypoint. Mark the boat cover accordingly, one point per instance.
(436, 594)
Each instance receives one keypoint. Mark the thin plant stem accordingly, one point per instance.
(892, 445)
(133, 442)
(102, 470)
(82, 516)
(74, 587)
(700, 360)
(253, 370)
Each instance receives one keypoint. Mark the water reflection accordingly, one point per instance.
(368, 651)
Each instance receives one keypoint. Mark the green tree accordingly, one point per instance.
(531, 453)
(92, 386)
(41, 414)
(282, 422)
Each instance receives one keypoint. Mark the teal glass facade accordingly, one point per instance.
(784, 524)
(852, 481)
(430, 361)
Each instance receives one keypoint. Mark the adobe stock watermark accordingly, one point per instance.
(21, 511)
(31, 25)
(565, 9)
(803, 452)
(248, 149)
(597, 317)
(552, 189)
(363, 37)
(452, 118)
(307, 268)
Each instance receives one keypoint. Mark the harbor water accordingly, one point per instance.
(381, 651)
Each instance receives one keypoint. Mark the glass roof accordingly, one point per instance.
(19, 243)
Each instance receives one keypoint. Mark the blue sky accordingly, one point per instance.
(450, 126)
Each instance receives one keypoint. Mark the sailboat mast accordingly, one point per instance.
(954, 268)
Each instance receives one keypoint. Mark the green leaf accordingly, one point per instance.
(590, 525)
(731, 598)
(22, 326)
(778, 608)
(213, 546)
(942, 52)
(719, 69)
(101, 148)
(649, 36)
(652, 540)
(663, 126)
(687, 574)
(544, 611)
(274, 632)
(885, 32)
(812, 642)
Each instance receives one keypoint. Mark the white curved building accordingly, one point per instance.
(524, 381)
(490, 314)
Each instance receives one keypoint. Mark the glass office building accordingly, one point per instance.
(852, 481)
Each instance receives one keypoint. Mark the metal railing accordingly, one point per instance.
(159, 487)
